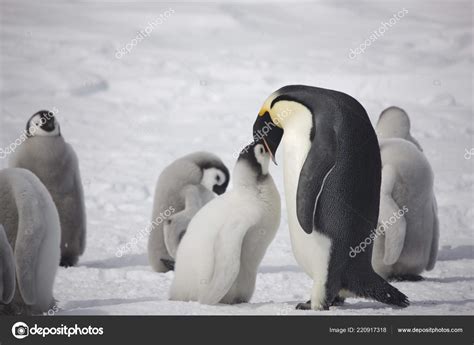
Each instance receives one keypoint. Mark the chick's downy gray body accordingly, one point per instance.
(182, 189)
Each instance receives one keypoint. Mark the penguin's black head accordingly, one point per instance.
(268, 133)
(276, 111)
(215, 176)
(42, 123)
(256, 157)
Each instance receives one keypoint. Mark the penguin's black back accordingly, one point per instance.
(351, 193)
(349, 202)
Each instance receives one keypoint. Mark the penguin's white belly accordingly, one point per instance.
(311, 250)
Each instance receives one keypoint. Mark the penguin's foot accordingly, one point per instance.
(338, 301)
(15, 309)
(239, 300)
(304, 306)
(406, 277)
(169, 264)
(307, 306)
(68, 260)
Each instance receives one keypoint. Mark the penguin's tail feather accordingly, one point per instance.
(375, 287)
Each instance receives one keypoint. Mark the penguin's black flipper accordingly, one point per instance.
(375, 287)
(317, 167)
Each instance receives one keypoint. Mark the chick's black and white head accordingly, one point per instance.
(257, 157)
(43, 124)
(215, 177)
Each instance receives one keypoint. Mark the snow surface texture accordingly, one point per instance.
(197, 83)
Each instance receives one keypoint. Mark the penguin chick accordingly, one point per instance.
(54, 161)
(395, 123)
(184, 187)
(31, 223)
(410, 244)
(226, 240)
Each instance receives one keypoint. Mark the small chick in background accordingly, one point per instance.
(184, 186)
(410, 244)
(53, 160)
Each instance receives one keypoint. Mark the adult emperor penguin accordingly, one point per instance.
(31, 223)
(394, 123)
(332, 174)
(218, 258)
(184, 186)
(410, 244)
(54, 161)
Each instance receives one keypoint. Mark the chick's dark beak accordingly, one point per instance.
(219, 190)
(49, 124)
(264, 129)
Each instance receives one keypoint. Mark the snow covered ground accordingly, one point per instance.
(197, 83)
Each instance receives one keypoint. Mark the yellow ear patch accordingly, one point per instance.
(284, 112)
(266, 106)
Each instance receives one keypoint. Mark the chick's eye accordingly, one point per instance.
(262, 150)
(218, 178)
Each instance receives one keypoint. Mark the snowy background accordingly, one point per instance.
(197, 83)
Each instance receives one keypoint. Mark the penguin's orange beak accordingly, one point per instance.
(269, 151)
